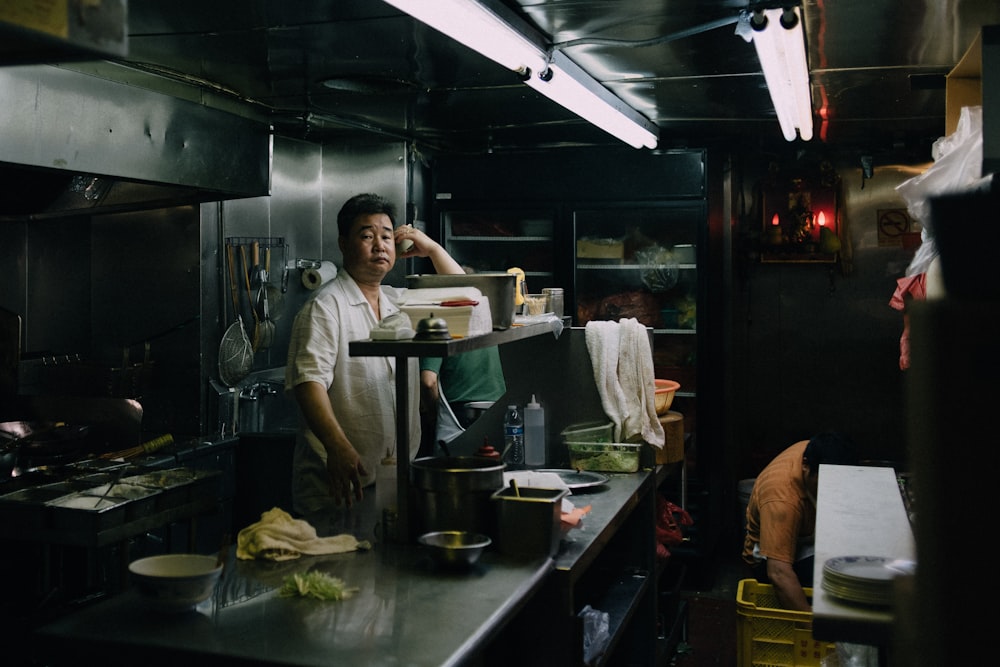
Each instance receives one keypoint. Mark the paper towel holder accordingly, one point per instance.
(305, 264)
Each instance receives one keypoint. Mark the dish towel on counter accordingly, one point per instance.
(277, 536)
(623, 370)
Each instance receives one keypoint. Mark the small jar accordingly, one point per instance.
(555, 300)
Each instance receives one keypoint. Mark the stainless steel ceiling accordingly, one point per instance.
(877, 68)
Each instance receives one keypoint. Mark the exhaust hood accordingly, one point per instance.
(28, 193)
(74, 143)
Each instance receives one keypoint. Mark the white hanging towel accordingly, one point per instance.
(623, 371)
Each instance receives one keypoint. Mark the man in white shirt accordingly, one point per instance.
(348, 403)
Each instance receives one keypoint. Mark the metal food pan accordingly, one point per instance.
(138, 501)
(25, 510)
(86, 482)
(176, 486)
(79, 512)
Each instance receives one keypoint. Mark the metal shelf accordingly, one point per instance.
(403, 350)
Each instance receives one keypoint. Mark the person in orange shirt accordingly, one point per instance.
(781, 516)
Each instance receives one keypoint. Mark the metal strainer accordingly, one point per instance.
(235, 354)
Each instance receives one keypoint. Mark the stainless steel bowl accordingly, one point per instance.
(455, 548)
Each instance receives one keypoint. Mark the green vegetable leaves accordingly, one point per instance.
(315, 585)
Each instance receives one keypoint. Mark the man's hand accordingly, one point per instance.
(343, 464)
(345, 470)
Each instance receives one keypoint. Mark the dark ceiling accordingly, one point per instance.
(877, 69)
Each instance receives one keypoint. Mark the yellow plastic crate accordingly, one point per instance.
(768, 636)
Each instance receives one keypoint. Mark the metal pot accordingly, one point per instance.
(453, 493)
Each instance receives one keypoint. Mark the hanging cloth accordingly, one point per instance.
(623, 371)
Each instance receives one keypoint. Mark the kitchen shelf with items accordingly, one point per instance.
(496, 240)
(642, 261)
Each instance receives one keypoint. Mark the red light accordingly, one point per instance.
(821, 219)
(775, 221)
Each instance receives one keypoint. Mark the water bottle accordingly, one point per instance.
(513, 436)
(534, 433)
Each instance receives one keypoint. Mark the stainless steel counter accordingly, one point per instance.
(407, 611)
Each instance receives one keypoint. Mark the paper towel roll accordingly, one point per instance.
(313, 278)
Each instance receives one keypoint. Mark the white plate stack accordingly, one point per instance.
(864, 579)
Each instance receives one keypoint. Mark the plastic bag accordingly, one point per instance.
(663, 269)
(957, 167)
(852, 655)
(596, 633)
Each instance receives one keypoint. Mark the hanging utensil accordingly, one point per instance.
(275, 295)
(246, 279)
(284, 268)
(235, 349)
(265, 325)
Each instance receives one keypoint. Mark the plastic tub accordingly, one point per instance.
(604, 457)
(589, 432)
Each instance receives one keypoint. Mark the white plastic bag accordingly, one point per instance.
(596, 633)
(957, 167)
(852, 655)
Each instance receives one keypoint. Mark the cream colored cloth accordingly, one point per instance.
(623, 371)
(277, 536)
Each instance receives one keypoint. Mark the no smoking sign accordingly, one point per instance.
(895, 227)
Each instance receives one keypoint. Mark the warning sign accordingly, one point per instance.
(897, 228)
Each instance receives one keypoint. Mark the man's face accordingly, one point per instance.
(369, 251)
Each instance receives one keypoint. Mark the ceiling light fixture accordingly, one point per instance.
(566, 83)
(490, 28)
(780, 45)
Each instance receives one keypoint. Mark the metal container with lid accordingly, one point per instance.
(555, 300)
(453, 493)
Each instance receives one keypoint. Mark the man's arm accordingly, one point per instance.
(429, 386)
(342, 461)
(786, 585)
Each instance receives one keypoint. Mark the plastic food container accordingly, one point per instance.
(589, 432)
(604, 457)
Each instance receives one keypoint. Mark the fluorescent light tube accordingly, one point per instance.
(576, 90)
(500, 35)
(480, 28)
(782, 57)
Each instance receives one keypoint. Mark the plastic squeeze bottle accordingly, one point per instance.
(534, 433)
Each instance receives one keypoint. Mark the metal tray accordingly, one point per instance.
(579, 479)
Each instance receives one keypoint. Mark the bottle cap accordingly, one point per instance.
(533, 403)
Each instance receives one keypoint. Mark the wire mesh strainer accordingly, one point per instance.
(235, 354)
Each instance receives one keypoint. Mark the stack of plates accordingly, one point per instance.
(864, 579)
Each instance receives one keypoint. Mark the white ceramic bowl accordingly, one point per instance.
(175, 582)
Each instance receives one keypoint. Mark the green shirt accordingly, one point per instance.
(476, 375)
